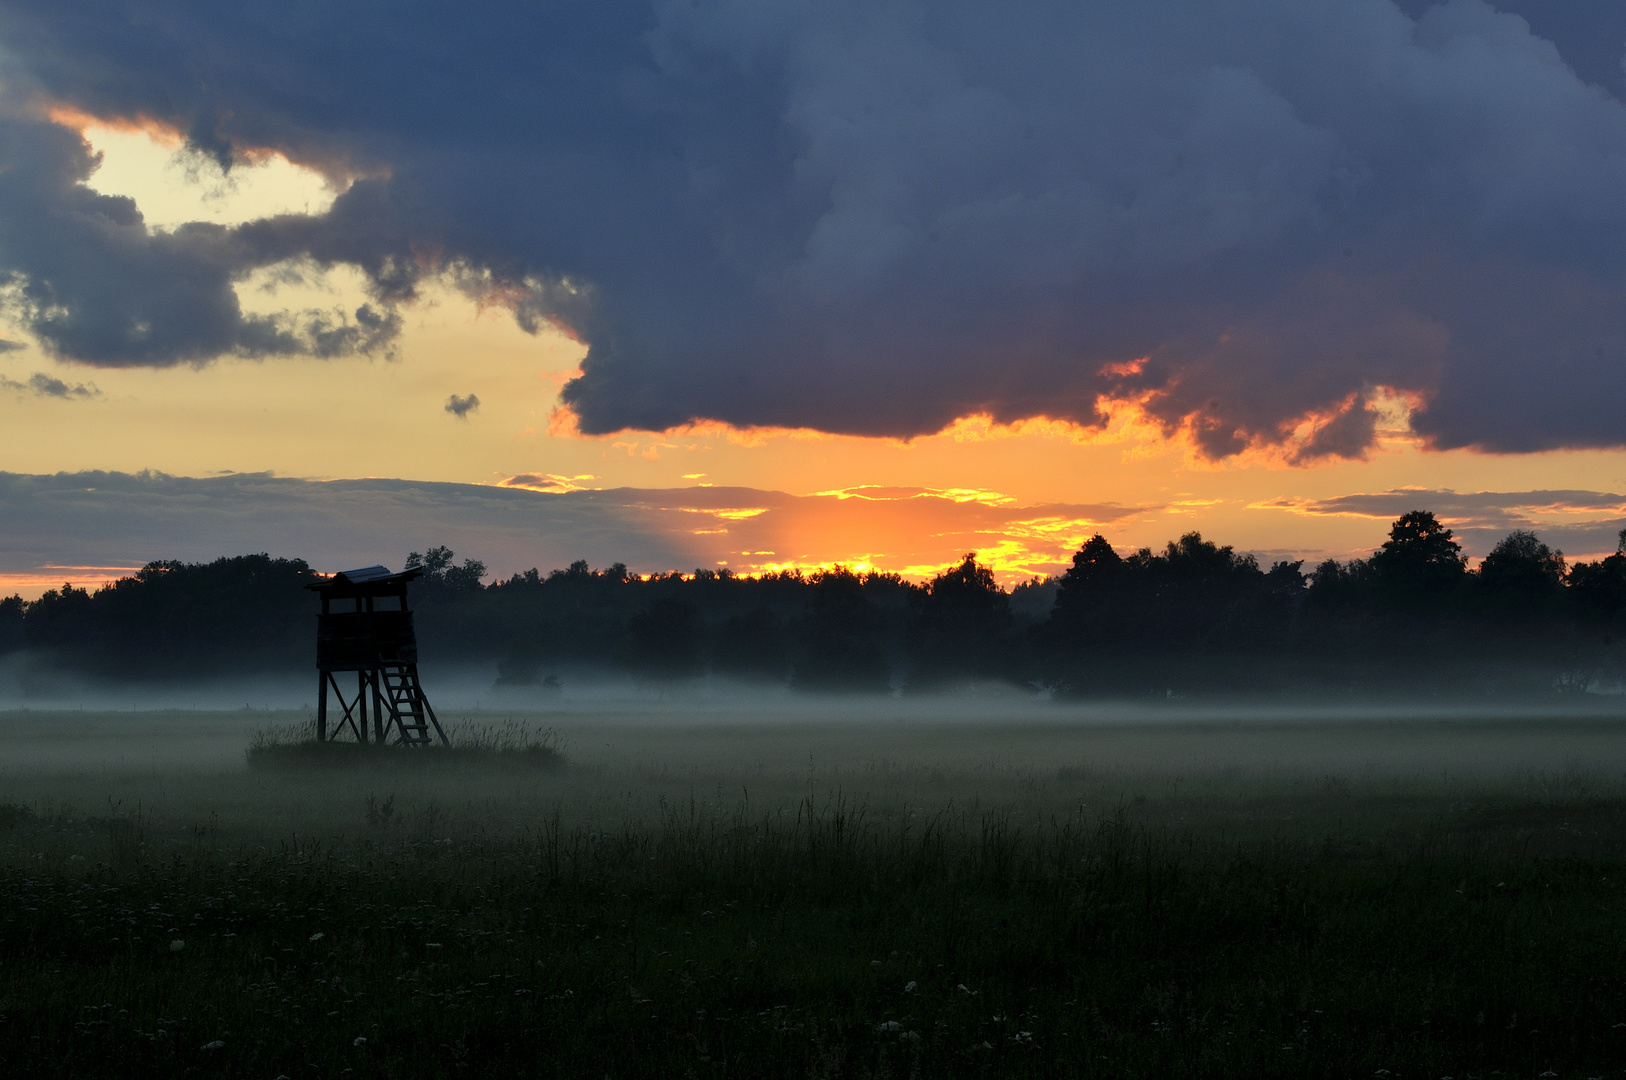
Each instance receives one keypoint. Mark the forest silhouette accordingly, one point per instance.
(1195, 617)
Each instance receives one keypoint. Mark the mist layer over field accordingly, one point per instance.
(780, 885)
(626, 757)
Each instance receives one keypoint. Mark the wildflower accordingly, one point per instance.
(216, 1045)
(317, 936)
(177, 945)
(361, 1040)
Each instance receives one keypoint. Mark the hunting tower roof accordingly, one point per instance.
(367, 581)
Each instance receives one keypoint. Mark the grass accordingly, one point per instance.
(484, 745)
(934, 920)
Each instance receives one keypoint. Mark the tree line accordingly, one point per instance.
(1193, 617)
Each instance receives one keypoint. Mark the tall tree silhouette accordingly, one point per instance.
(11, 623)
(1089, 593)
(840, 645)
(961, 627)
(1421, 564)
(1522, 578)
(1599, 590)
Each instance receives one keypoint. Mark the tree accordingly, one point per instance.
(1420, 564)
(1287, 577)
(752, 646)
(1521, 577)
(1341, 585)
(839, 647)
(11, 624)
(438, 569)
(1193, 561)
(961, 625)
(1088, 589)
(174, 620)
(663, 641)
(1600, 588)
(62, 619)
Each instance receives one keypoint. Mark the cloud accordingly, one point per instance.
(1252, 222)
(86, 277)
(460, 407)
(44, 385)
(100, 519)
(1586, 522)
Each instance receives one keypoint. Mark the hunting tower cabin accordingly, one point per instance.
(366, 627)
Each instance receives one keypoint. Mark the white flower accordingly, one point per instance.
(177, 946)
(317, 936)
(361, 1040)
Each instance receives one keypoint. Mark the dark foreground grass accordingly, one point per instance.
(812, 944)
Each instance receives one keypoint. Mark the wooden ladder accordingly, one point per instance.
(410, 711)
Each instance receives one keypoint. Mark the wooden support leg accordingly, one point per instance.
(321, 707)
(361, 705)
(380, 727)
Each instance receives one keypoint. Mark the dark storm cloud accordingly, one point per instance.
(460, 407)
(83, 273)
(875, 217)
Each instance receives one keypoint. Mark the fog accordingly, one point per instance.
(719, 751)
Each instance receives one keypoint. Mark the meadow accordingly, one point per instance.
(861, 888)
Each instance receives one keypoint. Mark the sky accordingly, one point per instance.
(778, 285)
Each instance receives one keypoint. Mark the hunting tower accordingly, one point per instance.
(366, 627)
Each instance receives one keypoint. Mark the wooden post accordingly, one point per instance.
(321, 684)
(321, 707)
(380, 732)
(361, 705)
